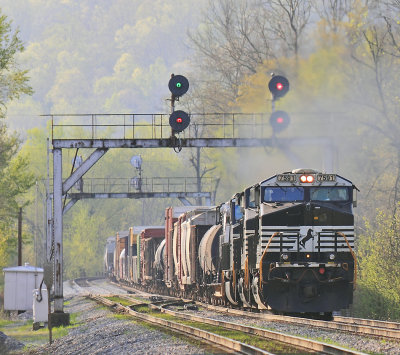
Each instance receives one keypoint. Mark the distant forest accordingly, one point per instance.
(342, 59)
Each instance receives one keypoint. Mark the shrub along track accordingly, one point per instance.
(230, 336)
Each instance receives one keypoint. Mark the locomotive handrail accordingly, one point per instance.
(246, 273)
(262, 257)
(354, 257)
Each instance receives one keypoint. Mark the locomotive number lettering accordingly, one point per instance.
(326, 177)
(286, 178)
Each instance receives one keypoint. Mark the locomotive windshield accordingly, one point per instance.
(329, 194)
(283, 194)
(297, 194)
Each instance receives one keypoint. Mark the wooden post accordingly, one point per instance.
(20, 237)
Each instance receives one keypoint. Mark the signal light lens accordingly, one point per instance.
(303, 178)
(321, 270)
(178, 85)
(279, 120)
(279, 86)
(179, 120)
(310, 178)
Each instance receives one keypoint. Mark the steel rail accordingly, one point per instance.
(368, 322)
(220, 341)
(350, 326)
(306, 344)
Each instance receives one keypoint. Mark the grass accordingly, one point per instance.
(4, 322)
(120, 300)
(22, 331)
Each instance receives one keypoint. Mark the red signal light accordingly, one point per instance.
(179, 120)
(321, 270)
(279, 86)
(279, 120)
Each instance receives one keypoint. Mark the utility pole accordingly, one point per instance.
(20, 237)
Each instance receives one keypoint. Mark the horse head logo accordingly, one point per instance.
(307, 238)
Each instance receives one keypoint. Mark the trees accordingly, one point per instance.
(13, 81)
(236, 37)
(15, 180)
(378, 293)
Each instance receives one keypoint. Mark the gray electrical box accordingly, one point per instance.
(19, 283)
(40, 306)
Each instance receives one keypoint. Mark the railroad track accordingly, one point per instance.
(368, 322)
(84, 281)
(365, 327)
(195, 326)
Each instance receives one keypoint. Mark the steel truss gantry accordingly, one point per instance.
(149, 131)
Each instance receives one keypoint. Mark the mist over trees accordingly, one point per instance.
(342, 59)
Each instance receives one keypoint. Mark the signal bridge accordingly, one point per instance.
(106, 131)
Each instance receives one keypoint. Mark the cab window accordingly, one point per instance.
(329, 194)
(283, 194)
(252, 198)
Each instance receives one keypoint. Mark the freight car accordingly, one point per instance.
(284, 244)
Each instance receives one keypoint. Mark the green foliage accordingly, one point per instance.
(84, 242)
(15, 181)
(13, 81)
(378, 295)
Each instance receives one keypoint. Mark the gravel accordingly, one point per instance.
(8, 344)
(99, 331)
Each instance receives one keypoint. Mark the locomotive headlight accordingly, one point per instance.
(285, 257)
(332, 256)
(306, 178)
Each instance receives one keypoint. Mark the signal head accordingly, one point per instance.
(279, 121)
(178, 85)
(279, 86)
(179, 120)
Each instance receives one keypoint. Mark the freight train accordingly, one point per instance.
(284, 244)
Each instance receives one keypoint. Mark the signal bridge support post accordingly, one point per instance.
(58, 317)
